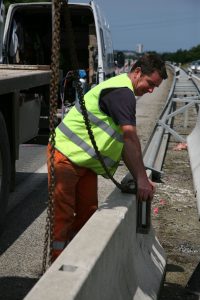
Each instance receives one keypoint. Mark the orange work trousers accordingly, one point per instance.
(75, 199)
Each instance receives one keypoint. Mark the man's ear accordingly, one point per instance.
(138, 71)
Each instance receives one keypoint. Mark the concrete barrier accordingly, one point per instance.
(193, 141)
(107, 260)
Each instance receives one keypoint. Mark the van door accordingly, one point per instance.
(2, 14)
(104, 43)
(100, 41)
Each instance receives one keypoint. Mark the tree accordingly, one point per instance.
(183, 56)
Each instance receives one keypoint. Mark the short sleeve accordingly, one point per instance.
(119, 104)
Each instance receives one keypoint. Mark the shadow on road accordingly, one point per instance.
(19, 287)
(22, 216)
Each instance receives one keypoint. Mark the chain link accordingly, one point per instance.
(56, 7)
(78, 86)
(48, 240)
(89, 129)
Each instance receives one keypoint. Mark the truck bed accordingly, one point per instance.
(21, 77)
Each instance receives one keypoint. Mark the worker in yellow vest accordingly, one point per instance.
(111, 107)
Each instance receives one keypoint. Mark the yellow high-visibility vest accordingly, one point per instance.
(72, 138)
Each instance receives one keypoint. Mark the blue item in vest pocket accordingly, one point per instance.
(82, 73)
(83, 80)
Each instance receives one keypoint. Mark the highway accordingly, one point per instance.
(21, 244)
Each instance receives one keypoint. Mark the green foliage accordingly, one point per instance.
(183, 56)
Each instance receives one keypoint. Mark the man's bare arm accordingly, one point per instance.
(132, 157)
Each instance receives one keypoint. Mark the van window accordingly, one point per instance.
(102, 42)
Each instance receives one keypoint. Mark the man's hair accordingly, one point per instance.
(150, 63)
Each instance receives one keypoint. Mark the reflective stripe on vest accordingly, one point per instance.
(103, 125)
(81, 143)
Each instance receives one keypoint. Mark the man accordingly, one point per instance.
(111, 110)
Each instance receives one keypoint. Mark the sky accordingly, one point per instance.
(159, 25)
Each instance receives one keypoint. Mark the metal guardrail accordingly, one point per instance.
(195, 77)
(154, 152)
(153, 156)
(183, 90)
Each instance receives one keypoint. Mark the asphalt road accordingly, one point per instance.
(22, 240)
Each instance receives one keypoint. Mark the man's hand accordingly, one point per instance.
(145, 189)
(132, 156)
(153, 184)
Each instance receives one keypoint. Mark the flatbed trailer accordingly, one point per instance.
(17, 78)
(22, 91)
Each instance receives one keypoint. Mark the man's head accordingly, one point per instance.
(147, 73)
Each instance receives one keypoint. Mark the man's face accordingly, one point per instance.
(146, 83)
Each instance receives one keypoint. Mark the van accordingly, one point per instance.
(28, 33)
(2, 15)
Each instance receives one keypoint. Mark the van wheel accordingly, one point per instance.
(5, 170)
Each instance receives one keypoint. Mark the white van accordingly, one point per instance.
(27, 38)
(2, 13)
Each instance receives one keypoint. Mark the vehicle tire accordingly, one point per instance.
(5, 170)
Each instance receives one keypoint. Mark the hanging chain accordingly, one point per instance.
(74, 63)
(56, 7)
(89, 129)
(48, 242)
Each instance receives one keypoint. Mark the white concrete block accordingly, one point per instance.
(107, 260)
(193, 141)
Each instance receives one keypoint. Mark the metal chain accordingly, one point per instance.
(56, 7)
(89, 129)
(48, 242)
(74, 63)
